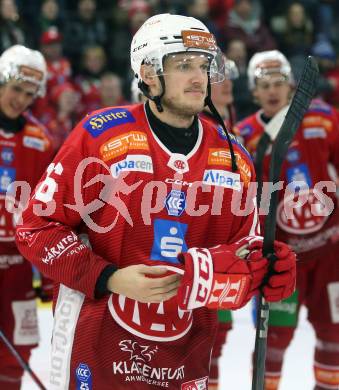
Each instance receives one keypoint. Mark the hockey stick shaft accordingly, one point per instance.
(21, 361)
(302, 98)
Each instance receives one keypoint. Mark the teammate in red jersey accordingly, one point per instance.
(310, 227)
(24, 155)
(143, 187)
(222, 98)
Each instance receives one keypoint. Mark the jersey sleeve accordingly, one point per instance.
(334, 142)
(48, 235)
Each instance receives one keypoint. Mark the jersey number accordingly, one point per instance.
(48, 187)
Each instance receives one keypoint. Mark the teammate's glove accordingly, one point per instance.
(45, 291)
(222, 277)
(281, 282)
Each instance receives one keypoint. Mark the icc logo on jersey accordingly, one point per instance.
(84, 377)
(175, 203)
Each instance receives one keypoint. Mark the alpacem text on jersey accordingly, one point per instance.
(102, 121)
(221, 178)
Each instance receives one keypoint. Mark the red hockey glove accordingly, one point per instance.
(222, 277)
(281, 283)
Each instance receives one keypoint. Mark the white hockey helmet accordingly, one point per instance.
(265, 63)
(23, 64)
(166, 34)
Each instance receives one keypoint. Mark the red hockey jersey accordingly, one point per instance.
(24, 156)
(137, 202)
(313, 223)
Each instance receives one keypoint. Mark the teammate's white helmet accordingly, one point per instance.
(267, 62)
(165, 34)
(24, 64)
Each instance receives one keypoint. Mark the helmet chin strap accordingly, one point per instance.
(217, 116)
(156, 99)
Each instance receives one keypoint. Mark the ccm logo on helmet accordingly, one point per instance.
(139, 47)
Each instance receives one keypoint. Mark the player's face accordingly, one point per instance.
(16, 97)
(272, 93)
(186, 80)
(221, 93)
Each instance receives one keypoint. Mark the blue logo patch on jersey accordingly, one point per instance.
(246, 130)
(99, 123)
(319, 106)
(299, 176)
(7, 155)
(293, 155)
(169, 240)
(175, 203)
(233, 139)
(7, 176)
(83, 377)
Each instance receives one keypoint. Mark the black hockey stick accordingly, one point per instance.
(21, 361)
(302, 98)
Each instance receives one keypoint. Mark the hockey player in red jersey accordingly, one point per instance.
(149, 193)
(25, 153)
(307, 216)
(222, 98)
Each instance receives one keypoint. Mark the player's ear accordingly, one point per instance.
(148, 75)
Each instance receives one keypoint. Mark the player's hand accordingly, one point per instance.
(281, 283)
(144, 283)
(222, 277)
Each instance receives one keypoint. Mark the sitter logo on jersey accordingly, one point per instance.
(169, 240)
(302, 212)
(83, 377)
(196, 384)
(7, 155)
(116, 146)
(7, 176)
(138, 367)
(175, 203)
(133, 163)
(224, 157)
(99, 123)
(218, 177)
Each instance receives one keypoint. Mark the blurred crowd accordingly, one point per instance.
(86, 45)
